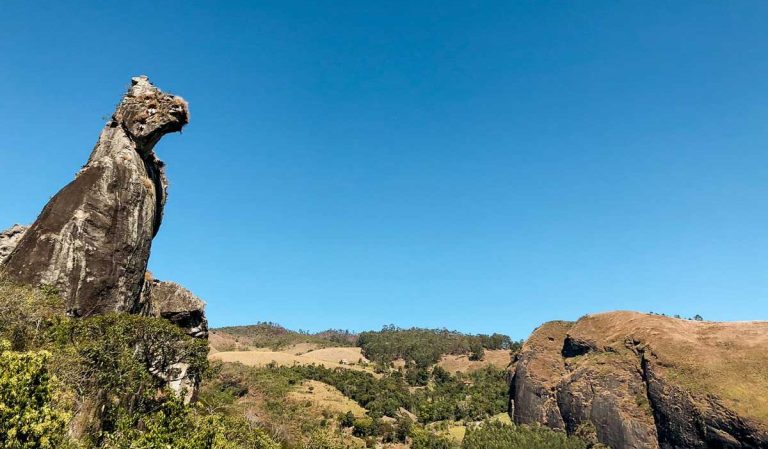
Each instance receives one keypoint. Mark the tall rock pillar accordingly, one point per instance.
(92, 240)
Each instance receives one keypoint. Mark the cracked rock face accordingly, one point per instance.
(92, 240)
(632, 381)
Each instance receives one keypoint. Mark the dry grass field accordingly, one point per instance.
(498, 358)
(325, 397)
(336, 354)
(262, 357)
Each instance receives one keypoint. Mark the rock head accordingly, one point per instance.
(631, 381)
(92, 240)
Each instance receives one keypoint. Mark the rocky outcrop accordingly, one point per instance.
(645, 381)
(181, 307)
(92, 240)
(9, 239)
(178, 305)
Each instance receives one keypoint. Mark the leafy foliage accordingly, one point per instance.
(109, 373)
(497, 435)
(423, 439)
(28, 416)
(174, 425)
(27, 313)
(474, 396)
(425, 347)
(121, 361)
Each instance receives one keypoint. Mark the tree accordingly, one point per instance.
(497, 435)
(476, 351)
(347, 419)
(423, 439)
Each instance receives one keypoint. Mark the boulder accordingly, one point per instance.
(178, 305)
(92, 240)
(9, 239)
(631, 381)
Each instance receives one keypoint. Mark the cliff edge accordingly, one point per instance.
(632, 381)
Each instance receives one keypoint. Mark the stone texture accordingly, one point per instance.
(639, 381)
(178, 305)
(92, 240)
(9, 239)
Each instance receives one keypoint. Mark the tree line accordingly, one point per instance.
(424, 347)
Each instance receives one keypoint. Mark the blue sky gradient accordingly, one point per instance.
(483, 166)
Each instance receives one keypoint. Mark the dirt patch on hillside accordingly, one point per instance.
(339, 354)
(500, 358)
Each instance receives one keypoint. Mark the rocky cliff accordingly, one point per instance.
(92, 240)
(632, 381)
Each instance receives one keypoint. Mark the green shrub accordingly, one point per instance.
(174, 425)
(425, 347)
(118, 363)
(323, 439)
(113, 370)
(27, 313)
(28, 416)
(474, 396)
(497, 435)
(423, 439)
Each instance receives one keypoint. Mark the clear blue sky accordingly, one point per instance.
(479, 166)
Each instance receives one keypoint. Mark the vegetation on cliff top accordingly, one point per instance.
(101, 382)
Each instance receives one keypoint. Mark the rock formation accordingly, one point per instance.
(9, 239)
(178, 305)
(632, 381)
(181, 307)
(92, 240)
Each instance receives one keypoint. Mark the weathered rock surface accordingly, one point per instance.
(92, 240)
(178, 305)
(645, 381)
(181, 307)
(9, 239)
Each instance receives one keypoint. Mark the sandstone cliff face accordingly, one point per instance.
(640, 381)
(92, 240)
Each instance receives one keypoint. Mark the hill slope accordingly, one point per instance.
(644, 381)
